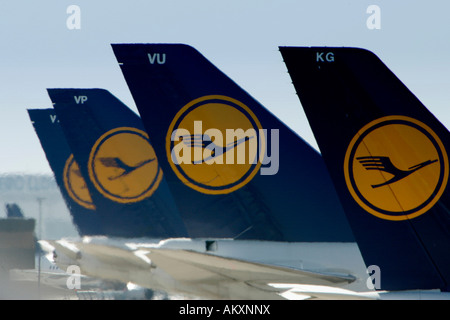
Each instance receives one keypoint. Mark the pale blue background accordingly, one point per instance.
(241, 37)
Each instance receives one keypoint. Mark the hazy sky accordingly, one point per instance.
(241, 37)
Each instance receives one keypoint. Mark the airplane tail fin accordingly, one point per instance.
(387, 156)
(66, 171)
(119, 165)
(225, 156)
(13, 211)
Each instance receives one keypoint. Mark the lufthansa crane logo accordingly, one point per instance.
(123, 165)
(215, 144)
(396, 168)
(76, 185)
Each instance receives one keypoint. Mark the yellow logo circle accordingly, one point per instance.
(396, 168)
(214, 144)
(123, 165)
(76, 185)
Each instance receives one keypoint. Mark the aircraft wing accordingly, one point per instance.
(203, 274)
(202, 266)
(253, 280)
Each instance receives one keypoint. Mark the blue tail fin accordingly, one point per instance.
(67, 174)
(13, 211)
(119, 165)
(225, 155)
(387, 156)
